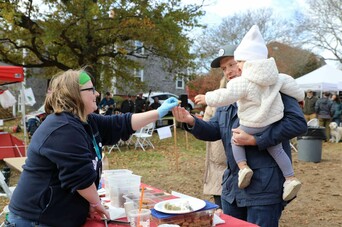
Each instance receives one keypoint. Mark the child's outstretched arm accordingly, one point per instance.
(236, 89)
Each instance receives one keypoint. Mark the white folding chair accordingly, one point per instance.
(131, 140)
(115, 146)
(143, 136)
(3, 214)
(5, 187)
(8, 192)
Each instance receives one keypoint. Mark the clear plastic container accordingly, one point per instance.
(115, 174)
(117, 171)
(120, 185)
(147, 203)
(199, 218)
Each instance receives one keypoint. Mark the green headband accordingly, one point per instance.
(84, 78)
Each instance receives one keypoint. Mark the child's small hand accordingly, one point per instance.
(200, 99)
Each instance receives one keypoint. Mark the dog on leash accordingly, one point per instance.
(335, 132)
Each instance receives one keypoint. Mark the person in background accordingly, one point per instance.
(257, 93)
(32, 125)
(215, 160)
(309, 105)
(324, 111)
(336, 109)
(261, 203)
(155, 104)
(58, 185)
(107, 104)
(139, 103)
(127, 106)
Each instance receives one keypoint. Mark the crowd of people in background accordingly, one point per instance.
(130, 104)
(326, 109)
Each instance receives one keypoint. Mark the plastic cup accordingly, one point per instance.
(128, 207)
(140, 218)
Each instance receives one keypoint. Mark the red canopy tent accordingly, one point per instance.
(11, 74)
(10, 146)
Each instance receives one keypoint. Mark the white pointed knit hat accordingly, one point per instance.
(252, 46)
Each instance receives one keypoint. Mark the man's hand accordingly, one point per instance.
(182, 115)
(200, 99)
(241, 138)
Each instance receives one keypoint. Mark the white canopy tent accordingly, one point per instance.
(325, 78)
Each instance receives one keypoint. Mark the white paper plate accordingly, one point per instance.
(195, 204)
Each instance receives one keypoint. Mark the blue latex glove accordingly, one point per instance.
(167, 106)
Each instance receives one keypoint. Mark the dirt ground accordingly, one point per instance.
(319, 202)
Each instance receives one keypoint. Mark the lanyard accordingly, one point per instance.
(97, 149)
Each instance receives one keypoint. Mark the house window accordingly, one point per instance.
(139, 74)
(179, 83)
(139, 49)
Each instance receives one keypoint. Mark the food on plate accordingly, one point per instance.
(169, 206)
(185, 205)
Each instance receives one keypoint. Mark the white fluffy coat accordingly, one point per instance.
(257, 93)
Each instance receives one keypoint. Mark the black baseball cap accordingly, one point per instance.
(226, 51)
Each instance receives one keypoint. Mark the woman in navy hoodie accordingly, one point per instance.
(58, 185)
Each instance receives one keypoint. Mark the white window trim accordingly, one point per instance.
(139, 73)
(182, 81)
(138, 44)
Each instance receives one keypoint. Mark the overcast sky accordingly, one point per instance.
(216, 10)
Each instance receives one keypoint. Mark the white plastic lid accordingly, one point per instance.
(117, 171)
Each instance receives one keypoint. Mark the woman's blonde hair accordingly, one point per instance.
(64, 95)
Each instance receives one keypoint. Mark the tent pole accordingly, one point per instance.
(23, 114)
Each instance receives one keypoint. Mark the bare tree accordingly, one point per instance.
(233, 28)
(323, 27)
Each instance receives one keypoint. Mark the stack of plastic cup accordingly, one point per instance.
(107, 173)
(119, 183)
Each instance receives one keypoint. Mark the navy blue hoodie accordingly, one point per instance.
(61, 159)
(266, 186)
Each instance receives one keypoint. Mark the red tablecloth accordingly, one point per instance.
(230, 222)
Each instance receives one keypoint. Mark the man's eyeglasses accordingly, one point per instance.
(89, 89)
